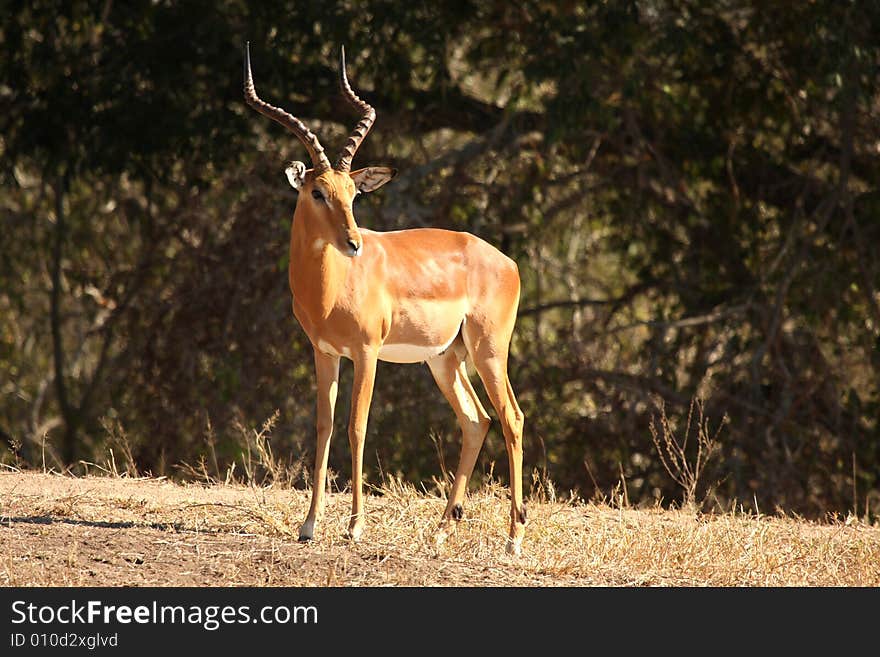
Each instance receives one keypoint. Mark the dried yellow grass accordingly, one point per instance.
(57, 530)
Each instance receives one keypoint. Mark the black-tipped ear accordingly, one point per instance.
(296, 174)
(372, 178)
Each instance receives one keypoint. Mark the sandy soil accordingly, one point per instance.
(64, 531)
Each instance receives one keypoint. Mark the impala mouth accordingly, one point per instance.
(354, 248)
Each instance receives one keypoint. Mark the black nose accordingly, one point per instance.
(354, 245)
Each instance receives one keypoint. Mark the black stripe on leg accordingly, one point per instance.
(522, 513)
(457, 512)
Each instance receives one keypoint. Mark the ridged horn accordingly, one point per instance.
(362, 128)
(297, 127)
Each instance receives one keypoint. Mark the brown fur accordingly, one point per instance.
(423, 288)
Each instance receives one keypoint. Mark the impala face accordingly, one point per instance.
(328, 199)
(405, 296)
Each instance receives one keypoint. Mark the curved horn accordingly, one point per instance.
(361, 129)
(297, 127)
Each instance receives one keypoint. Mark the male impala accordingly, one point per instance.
(407, 296)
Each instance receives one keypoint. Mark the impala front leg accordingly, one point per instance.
(362, 394)
(327, 375)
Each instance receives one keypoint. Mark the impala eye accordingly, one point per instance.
(317, 195)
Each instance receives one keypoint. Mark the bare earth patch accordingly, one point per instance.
(64, 531)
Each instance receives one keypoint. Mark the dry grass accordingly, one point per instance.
(57, 530)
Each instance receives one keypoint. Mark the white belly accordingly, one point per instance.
(410, 353)
(328, 348)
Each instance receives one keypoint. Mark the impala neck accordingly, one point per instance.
(317, 269)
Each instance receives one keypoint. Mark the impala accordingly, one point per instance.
(407, 296)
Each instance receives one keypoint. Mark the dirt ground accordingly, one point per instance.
(64, 531)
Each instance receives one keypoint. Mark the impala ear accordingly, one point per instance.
(296, 174)
(370, 178)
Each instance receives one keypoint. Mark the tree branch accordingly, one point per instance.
(697, 320)
(566, 303)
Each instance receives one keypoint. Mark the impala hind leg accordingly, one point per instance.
(494, 376)
(327, 376)
(491, 364)
(451, 376)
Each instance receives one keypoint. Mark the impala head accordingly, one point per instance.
(326, 192)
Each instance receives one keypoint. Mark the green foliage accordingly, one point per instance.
(689, 190)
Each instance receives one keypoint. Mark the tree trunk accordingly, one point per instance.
(69, 445)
